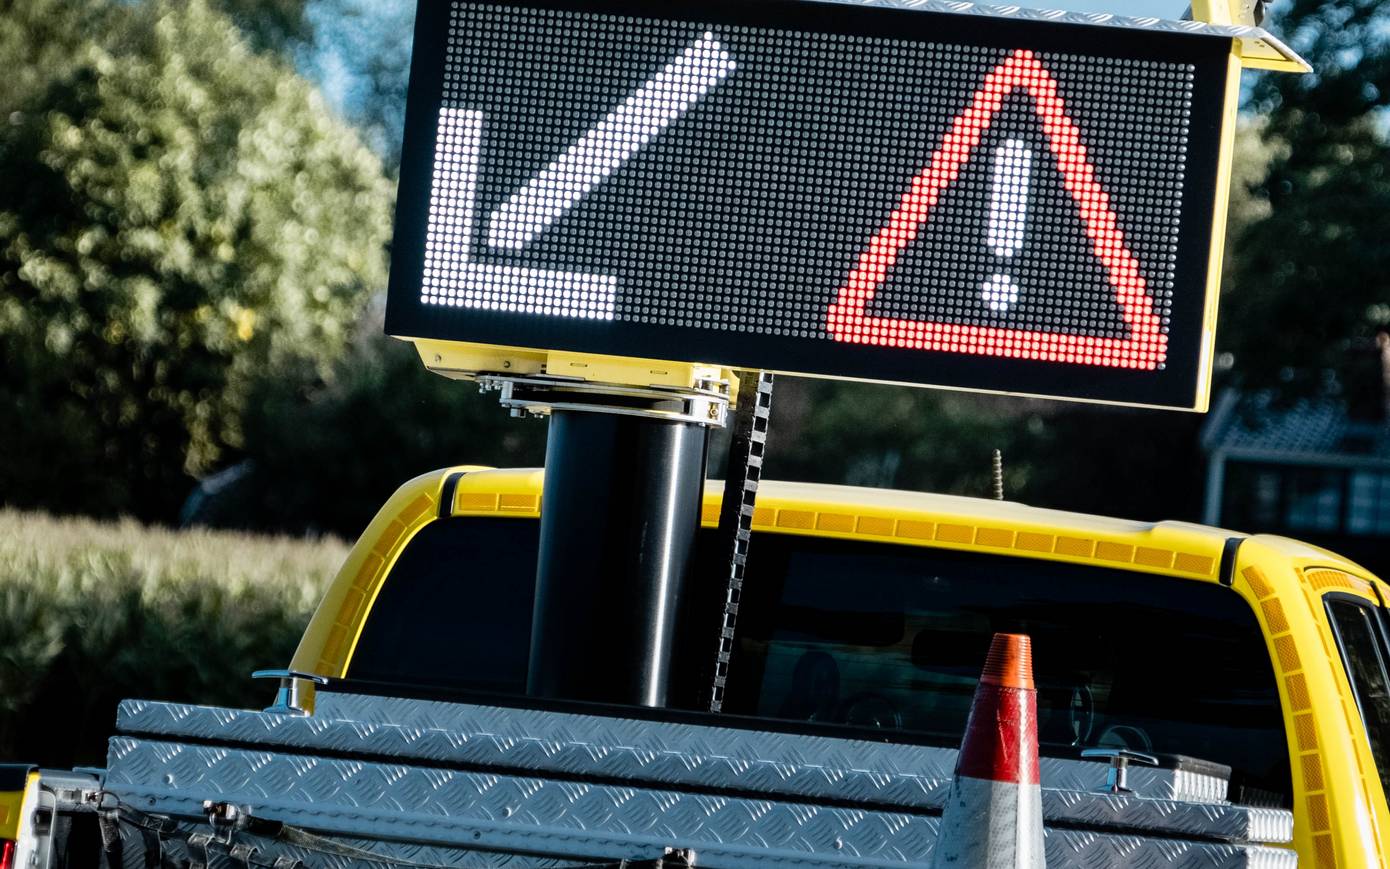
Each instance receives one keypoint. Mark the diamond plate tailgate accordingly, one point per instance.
(582, 786)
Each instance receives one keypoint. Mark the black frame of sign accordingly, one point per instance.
(1180, 384)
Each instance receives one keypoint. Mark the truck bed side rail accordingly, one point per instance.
(411, 774)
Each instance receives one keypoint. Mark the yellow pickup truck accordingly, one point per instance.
(871, 609)
(1256, 662)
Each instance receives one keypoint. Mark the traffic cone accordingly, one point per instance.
(993, 816)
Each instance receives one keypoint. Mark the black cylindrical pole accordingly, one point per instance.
(619, 514)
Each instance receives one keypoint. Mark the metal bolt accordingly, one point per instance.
(997, 475)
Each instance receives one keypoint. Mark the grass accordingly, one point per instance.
(93, 612)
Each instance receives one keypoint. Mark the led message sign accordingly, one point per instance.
(837, 190)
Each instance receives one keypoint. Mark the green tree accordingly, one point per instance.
(39, 42)
(363, 47)
(1307, 279)
(178, 214)
(1256, 149)
(1138, 464)
(325, 453)
(271, 25)
(891, 436)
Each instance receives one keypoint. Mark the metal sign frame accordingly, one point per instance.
(1182, 383)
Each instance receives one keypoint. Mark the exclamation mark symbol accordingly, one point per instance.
(1008, 206)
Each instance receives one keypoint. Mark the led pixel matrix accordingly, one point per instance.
(721, 189)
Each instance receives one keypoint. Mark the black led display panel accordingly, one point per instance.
(818, 188)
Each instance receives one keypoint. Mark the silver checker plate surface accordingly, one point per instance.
(443, 808)
(1245, 32)
(750, 762)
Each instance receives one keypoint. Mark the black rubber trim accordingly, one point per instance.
(1195, 765)
(1228, 560)
(14, 776)
(446, 494)
(643, 713)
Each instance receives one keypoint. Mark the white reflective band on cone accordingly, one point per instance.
(991, 825)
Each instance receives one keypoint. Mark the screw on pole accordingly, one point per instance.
(997, 475)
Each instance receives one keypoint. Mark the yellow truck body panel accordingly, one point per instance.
(16, 802)
(1341, 819)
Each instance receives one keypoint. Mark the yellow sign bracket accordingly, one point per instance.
(1258, 48)
(462, 361)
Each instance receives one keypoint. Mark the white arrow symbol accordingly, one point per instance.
(451, 277)
(599, 152)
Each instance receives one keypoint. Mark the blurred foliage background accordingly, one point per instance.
(195, 220)
(93, 613)
(195, 223)
(182, 216)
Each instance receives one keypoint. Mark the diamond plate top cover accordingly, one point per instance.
(1095, 19)
(675, 755)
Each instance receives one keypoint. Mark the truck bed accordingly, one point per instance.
(458, 784)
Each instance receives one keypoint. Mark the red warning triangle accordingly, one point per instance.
(1146, 347)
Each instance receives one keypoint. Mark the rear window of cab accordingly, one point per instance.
(1364, 645)
(848, 633)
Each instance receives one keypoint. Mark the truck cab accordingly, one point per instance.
(867, 611)
(1252, 670)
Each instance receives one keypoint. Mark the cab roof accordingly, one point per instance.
(1173, 549)
(922, 519)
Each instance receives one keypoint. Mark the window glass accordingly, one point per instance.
(894, 637)
(1253, 496)
(890, 637)
(1266, 500)
(455, 612)
(1315, 499)
(1369, 511)
(1363, 654)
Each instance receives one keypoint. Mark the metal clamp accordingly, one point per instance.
(198, 844)
(295, 695)
(706, 404)
(244, 855)
(1117, 777)
(223, 818)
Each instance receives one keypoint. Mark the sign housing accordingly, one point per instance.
(835, 190)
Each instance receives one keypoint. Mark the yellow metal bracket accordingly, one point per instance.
(1258, 50)
(462, 361)
(1225, 11)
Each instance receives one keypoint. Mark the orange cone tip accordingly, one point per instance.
(1010, 662)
